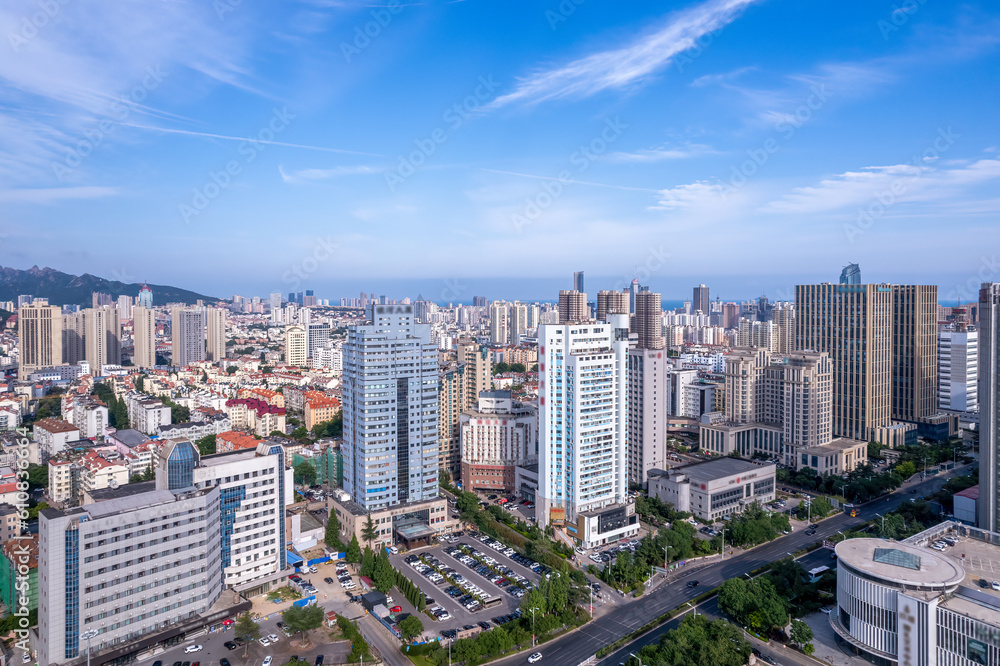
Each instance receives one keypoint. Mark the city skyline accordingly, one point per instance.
(653, 129)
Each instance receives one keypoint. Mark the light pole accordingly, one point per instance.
(636, 658)
(693, 607)
(533, 626)
(883, 522)
(88, 635)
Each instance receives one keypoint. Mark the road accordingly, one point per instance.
(580, 645)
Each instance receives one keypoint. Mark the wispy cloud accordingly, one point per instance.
(663, 153)
(570, 180)
(689, 195)
(904, 182)
(226, 137)
(50, 195)
(619, 68)
(326, 174)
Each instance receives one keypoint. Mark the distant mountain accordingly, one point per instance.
(64, 289)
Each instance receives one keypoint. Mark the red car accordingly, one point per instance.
(396, 609)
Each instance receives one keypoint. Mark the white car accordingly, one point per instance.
(273, 638)
(533, 658)
(263, 641)
(192, 648)
(267, 661)
(996, 586)
(313, 570)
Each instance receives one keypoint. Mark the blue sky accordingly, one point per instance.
(747, 144)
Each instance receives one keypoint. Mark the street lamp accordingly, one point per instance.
(533, 626)
(693, 607)
(88, 635)
(636, 658)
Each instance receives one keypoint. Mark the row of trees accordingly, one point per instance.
(860, 485)
(502, 368)
(818, 508)
(698, 640)
(756, 526)
(679, 541)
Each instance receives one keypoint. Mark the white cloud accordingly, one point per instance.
(326, 174)
(49, 195)
(663, 153)
(896, 184)
(689, 195)
(622, 67)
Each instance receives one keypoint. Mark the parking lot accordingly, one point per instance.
(438, 560)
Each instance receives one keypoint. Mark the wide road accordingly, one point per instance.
(581, 645)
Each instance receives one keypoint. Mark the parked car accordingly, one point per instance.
(198, 648)
(396, 609)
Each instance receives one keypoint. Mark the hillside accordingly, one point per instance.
(63, 288)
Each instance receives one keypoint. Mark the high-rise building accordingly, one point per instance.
(451, 402)
(390, 365)
(853, 324)
(914, 352)
(478, 370)
(145, 297)
(296, 345)
(958, 368)
(144, 337)
(648, 413)
(578, 282)
(124, 305)
(103, 338)
(633, 289)
(100, 299)
(39, 337)
(572, 306)
(583, 429)
(851, 274)
(274, 300)
(648, 320)
(730, 315)
(499, 434)
(701, 300)
(187, 330)
(518, 322)
(131, 587)
(319, 336)
(612, 302)
(74, 348)
(989, 407)
(215, 334)
(499, 322)
(255, 487)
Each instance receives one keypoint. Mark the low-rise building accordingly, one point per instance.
(10, 523)
(839, 456)
(320, 410)
(499, 435)
(52, 436)
(19, 573)
(715, 488)
(411, 523)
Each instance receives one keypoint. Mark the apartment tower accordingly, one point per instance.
(39, 337)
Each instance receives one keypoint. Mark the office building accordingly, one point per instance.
(255, 487)
(137, 568)
(498, 435)
(958, 368)
(578, 282)
(145, 297)
(730, 315)
(612, 302)
(900, 602)
(296, 345)
(715, 488)
(390, 365)
(144, 337)
(583, 429)
(648, 321)
(319, 337)
(701, 300)
(853, 324)
(39, 337)
(572, 306)
(103, 337)
(499, 322)
(914, 352)
(989, 406)
(187, 336)
(851, 274)
(451, 402)
(215, 334)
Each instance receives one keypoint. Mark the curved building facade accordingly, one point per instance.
(904, 603)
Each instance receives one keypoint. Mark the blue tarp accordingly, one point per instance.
(308, 601)
(293, 558)
(318, 560)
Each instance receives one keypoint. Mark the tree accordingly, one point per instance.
(246, 629)
(305, 473)
(906, 469)
(802, 633)
(755, 603)
(354, 550)
(300, 619)
(231, 370)
(411, 627)
(383, 575)
(874, 450)
(140, 384)
(369, 532)
(204, 376)
(206, 445)
(332, 535)
(699, 640)
(38, 476)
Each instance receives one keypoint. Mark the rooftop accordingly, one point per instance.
(901, 563)
(838, 444)
(55, 425)
(971, 493)
(105, 494)
(130, 438)
(719, 467)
